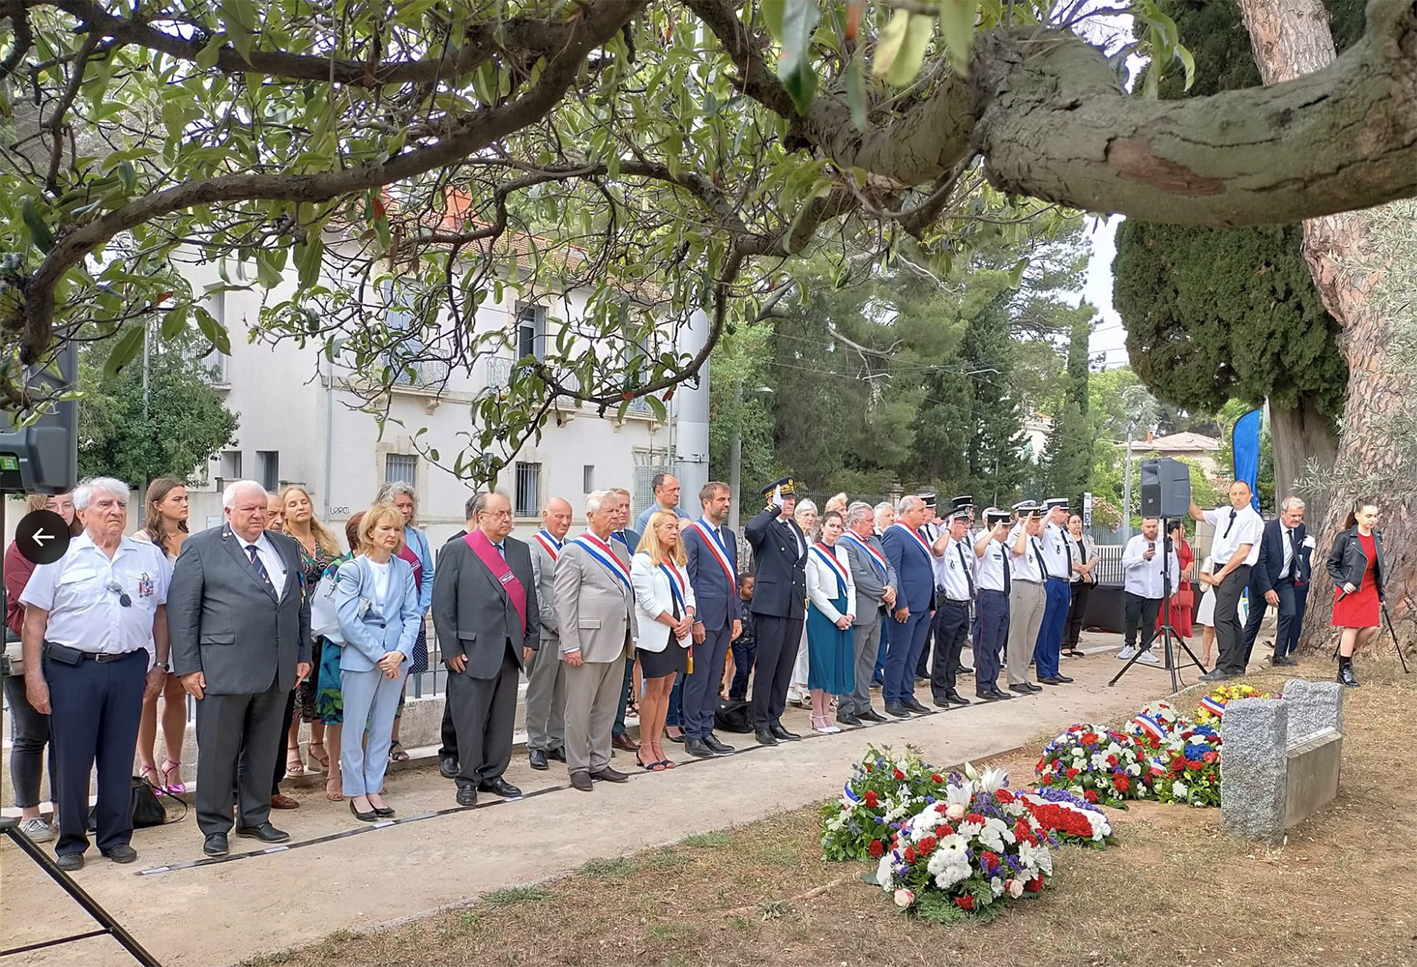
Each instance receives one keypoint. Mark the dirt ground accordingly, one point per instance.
(1174, 891)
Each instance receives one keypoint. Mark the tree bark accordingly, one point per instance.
(1303, 437)
(1290, 38)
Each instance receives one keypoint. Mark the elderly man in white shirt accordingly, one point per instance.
(1143, 589)
(1234, 550)
(91, 615)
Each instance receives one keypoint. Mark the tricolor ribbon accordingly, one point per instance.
(608, 559)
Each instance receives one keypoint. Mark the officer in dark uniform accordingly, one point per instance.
(779, 603)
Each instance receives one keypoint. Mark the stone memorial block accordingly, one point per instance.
(1313, 708)
(1253, 768)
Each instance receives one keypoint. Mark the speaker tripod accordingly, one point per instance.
(1168, 634)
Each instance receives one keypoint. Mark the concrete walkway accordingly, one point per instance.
(214, 913)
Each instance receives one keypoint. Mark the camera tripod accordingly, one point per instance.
(1167, 634)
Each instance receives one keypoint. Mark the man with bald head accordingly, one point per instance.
(546, 676)
(1235, 549)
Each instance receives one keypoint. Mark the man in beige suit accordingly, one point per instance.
(595, 614)
(546, 676)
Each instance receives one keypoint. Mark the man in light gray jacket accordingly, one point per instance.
(876, 586)
(546, 675)
(240, 629)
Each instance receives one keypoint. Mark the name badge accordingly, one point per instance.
(507, 578)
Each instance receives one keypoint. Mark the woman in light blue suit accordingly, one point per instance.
(376, 601)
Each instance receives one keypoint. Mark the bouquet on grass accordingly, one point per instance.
(884, 789)
(1212, 706)
(964, 854)
(1068, 818)
(1100, 765)
(1190, 765)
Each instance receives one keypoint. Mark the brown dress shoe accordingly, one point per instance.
(281, 801)
(624, 743)
(581, 781)
(610, 775)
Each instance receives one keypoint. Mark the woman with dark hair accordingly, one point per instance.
(1178, 611)
(1081, 582)
(318, 547)
(165, 526)
(1356, 566)
(831, 609)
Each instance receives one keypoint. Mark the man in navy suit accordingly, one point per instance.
(1272, 579)
(909, 554)
(779, 606)
(713, 569)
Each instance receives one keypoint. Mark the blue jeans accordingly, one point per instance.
(29, 734)
(675, 715)
(745, 649)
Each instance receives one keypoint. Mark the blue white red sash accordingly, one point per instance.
(919, 542)
(719, 552)
(872, 555)
(1150, 726)
(551, 544)
(608, 559)
(1213, 706)
(827, 554)
(676, 586)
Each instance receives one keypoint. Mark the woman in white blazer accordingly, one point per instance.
(376, 602)
(664, 610)
(831, 608)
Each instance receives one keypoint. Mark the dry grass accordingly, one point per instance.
(1173, 892)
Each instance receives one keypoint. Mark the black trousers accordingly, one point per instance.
(283, 747)
(485, 711)
(1138, 611)
(951, 633)
(932, 645)
(778, 639)
(237, 737)
(449, 748)
(1229, 633)
(1077, 611)
(1288, 611)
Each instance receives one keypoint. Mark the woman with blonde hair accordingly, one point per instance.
(164, 525)
(376, 599)
(318, 548)
(797, 692)
(663, 599)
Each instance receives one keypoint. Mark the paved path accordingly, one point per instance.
(226, 912)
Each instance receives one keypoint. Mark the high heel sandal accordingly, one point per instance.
(157, 787)
(819, 724)
(323, 758)
(294, 766)
(334, 789)
(169, 767)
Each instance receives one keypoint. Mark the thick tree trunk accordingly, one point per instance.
(1304, 439)
(1291, 38)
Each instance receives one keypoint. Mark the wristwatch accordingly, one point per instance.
(165, 666)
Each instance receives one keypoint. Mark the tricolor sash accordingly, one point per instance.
(676, 586)
(1150, 726)
(486, 552)
(872, 555)
(826, 554)
(607, 558)
(719, 552)
(551, 544)
(1213, 706)
(919, 542)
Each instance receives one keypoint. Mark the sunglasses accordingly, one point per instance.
(123, 598)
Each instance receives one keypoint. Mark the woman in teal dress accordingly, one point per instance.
(329, 700)
(831, 608)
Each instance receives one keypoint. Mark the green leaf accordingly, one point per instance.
(124, 350)
(128, 176)
(957, 26)
(208, 56)
(308, 258)
(920, 30)
(1189, 63)
(39, 231)
(890, 43)
(795, 68)
(1016, 274)
(174, 321)
(774, 14)
(856, 91)
(656, 406)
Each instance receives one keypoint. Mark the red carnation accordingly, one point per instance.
(1155, 744)
(1112, 760)
(944, 830)
(1210, 757)
(898, 775)
(1121, 782)
(989, 859)
(1034, 885)
(1072, 774)
(1195, 766)
(1089, 738)
(1090, 795)
(965, 902)
(910, 854)
(872, 800)
(1004, 796)
(937, 778)
(975, 818)
(876, 849)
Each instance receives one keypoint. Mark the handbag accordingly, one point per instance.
(733, 715)
(324, 617)
(147, 811)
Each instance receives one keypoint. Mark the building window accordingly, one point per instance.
(268, 469)
(230, 465)
(401, 468)
(588, 479)
(528, 490)
(531, 332)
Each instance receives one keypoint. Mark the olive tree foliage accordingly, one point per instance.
(666, 156)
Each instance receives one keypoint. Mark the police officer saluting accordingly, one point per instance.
(779, 605)
(994, 583)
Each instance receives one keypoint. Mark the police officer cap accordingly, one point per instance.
(965, 501)
(788, 485)
(1053, 502)
(929, 498)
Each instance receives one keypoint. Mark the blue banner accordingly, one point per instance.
(1245, 442)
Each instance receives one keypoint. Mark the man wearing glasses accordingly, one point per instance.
(91, 615)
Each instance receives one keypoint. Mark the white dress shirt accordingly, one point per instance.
(954, 571)
(1027, 566)
(270, 557)
(1247, 528)
(1143, 577)
(1056, 551)
(1286, 537)
(654, 597)
(83, 593)
(824, 584)
(989, 567)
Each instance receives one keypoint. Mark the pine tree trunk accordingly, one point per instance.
(1291, 38)
(1302, 437)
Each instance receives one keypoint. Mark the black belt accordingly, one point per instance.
(73, 655)
(951, 600)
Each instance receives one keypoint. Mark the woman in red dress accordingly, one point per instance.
(1178, 610)
(1356, 566)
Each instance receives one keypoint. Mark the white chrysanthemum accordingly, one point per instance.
(952, 874)
(996, 884)
(1179, 790)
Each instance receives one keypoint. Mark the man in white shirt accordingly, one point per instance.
(90, 615)
(1057, 592)
(954, 593)
(1027, 599)
(1234, 551)
(992, 582)
(1142, 563)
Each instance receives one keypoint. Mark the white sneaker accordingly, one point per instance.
(1126, 653)
(1147, 658)
(38, 830)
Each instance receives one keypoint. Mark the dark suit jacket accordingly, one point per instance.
(717, 597)
(472, 612)
(780, 570)
(224, 619)
(915, 573)
(1265, 574)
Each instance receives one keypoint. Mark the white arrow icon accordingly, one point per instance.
(40, 537)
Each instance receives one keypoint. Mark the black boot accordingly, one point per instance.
(1345, 672)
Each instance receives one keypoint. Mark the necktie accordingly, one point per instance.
(256, 560)
(964, 563)
(1233, 512)
(1068, 546)
(1007, 577)
(500, 549)
(1038, 556)
(1293, 557)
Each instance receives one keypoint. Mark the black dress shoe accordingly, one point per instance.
(581, 781)
(610, 775)
(955, 698)
(1284, 660)
(215, 844)
(1021, 689)
(537, 759)
(69, 862)
(448, 766)
(467, 793)
(120, 854)
(265, 832)
(871, 715)
(499, 787)
(989, 696)
(965, 671)
(914, 705)
(943, 703)
(698, 749)
(999, 694)
(1064, 679)
(363, 817)
(898, 710)
(847, 718)
(1049, 680)
(383, 812)
(675, 738)
(782, 735)
(764, 737)
(718, 748)
(558, 753)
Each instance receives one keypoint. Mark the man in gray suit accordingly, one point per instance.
(876, 585)
(595, 612)
(546, 678)
(484, 610)
(240, 630)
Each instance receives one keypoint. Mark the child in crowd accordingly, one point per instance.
(747, 644)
